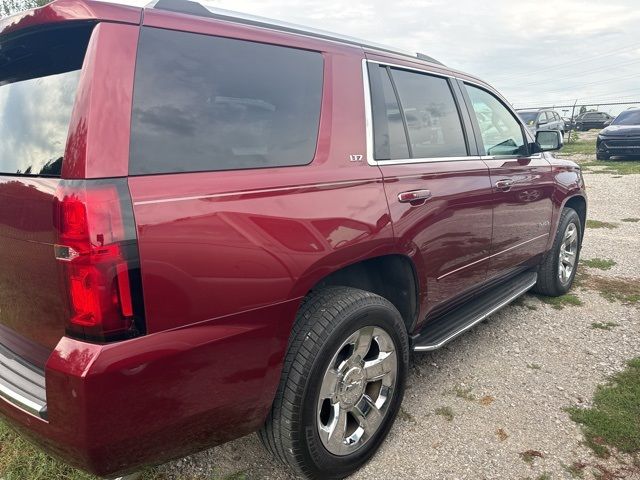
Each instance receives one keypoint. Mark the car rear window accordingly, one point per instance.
(39, 75)
(424, 111)
(204, 103)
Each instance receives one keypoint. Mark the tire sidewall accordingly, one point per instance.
(325, 464)
(570, 217)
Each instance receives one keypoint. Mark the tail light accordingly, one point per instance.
(98, 251)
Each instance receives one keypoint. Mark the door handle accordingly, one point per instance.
(504, 185)
(414, 197)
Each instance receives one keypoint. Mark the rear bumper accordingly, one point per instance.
(112, 409)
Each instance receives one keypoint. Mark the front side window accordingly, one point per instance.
(204, 103)
(501, 133)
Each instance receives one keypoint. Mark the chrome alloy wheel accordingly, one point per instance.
(568, 253)
(356, 390)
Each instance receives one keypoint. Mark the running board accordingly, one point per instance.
(449, 326)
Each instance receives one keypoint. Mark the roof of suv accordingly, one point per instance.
(190, 7)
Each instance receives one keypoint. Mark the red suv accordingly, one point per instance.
(212, 225)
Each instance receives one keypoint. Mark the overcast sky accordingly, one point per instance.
(542, 52)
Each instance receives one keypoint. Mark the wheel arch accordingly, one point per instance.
(392, 276)
(579, 204)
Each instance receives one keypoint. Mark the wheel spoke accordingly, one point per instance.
(369, 417)
(337, 431)
(329, 385)
(362, 343)
(384, 364)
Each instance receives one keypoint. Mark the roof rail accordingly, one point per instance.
(190, 7)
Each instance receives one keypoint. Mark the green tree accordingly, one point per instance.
(9, 7)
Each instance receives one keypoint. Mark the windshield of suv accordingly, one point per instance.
(628, 118)
(528, 117)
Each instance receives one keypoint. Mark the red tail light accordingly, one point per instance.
(97, 247)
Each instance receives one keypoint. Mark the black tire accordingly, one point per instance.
(602, 156)
(549, 280)
(325, 320)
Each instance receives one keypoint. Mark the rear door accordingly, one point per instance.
(437, 187)
(522, 184)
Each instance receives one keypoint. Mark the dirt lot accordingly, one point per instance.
(491, 404)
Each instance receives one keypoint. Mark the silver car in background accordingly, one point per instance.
(541, 120)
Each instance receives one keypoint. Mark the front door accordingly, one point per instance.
(438, 188)
(522, 185)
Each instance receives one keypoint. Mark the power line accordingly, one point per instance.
(574, 62)
(599, 69)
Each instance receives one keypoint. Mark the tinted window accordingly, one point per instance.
(628, 118)
(501, 133)
(390, 140)
(210, 103)
(528, 117)
(431, 115)
(39, 76)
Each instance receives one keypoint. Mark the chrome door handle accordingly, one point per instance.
(504, 185)
(414, 197)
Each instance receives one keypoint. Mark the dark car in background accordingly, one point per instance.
(590, 120)
(541, 120)
(621, 138)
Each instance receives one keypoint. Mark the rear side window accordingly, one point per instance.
(432, 117)
(205, 103)
(39, 75)
(414, 106)
(390, 138)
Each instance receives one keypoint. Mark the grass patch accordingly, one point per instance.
(530, 455)
(20, 460)
(614, 418)
(631, 220)
(581, 147)
(406, 416)
(502, 435)
(446, 412)
(464, 392)
(619, 167)
(599, 224)
(544, 476)
(534, 366)
(623, 290)
(604, 325)
(568, 300)
(599, 263)
(576, 469)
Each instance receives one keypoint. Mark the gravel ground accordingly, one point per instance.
(506, 382)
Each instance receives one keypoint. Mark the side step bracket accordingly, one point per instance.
(444, 329)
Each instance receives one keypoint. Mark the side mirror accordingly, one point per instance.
(547, 141)
(542, 122)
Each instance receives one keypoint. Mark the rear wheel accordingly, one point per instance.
(558, 270)
(342, 383)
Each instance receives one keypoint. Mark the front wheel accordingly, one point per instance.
(558, 270)
(602, 156)
(342, 383)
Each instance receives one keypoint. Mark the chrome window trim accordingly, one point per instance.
(368, 114)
